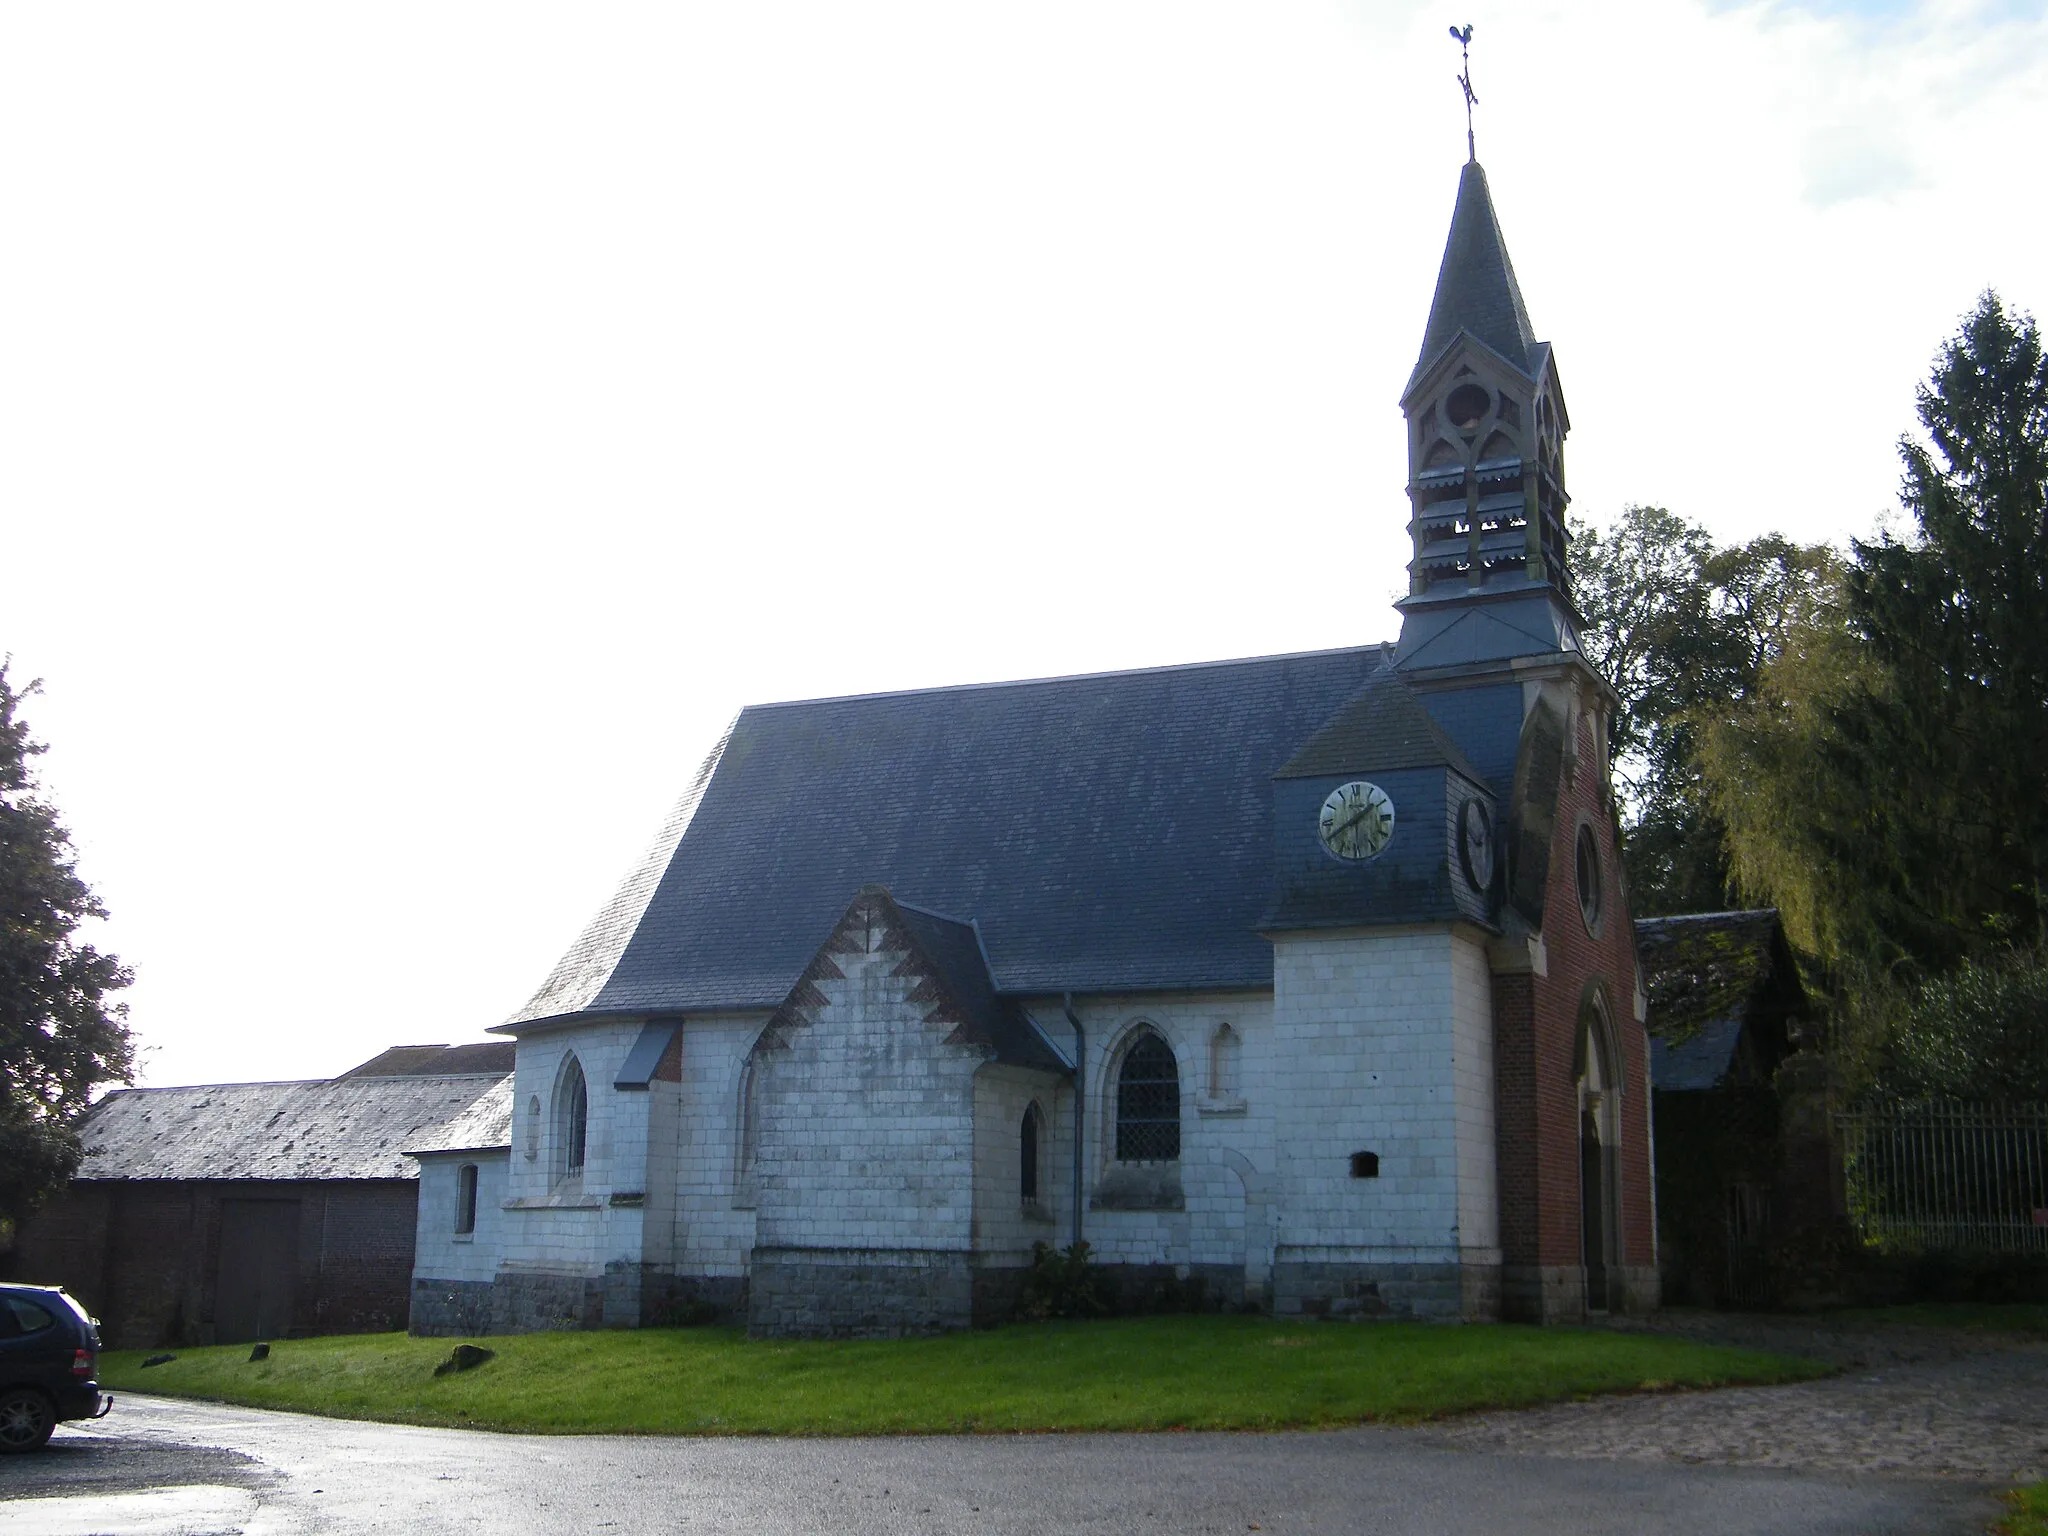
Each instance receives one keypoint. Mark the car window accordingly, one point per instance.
(25, 1315)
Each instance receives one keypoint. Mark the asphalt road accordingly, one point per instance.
(159, 1467)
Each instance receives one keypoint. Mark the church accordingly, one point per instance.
(1308, 977)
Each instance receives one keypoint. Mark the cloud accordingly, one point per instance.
(1846, 163)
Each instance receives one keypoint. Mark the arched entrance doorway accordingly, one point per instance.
(1599, 1138)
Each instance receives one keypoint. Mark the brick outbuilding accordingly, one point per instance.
(237, 1211)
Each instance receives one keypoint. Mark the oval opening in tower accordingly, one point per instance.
(1467, 406)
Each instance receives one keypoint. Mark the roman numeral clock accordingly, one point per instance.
(1357, 820)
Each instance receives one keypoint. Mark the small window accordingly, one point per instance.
(1365, 1165)
(1589, 879)
(1027, 1153)
(1148, 1102)
(465, 1199)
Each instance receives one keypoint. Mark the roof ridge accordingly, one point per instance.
(1072, 677)
(300, 1082)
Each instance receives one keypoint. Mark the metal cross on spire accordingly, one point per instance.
(1463, 35)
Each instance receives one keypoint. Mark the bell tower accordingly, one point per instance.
(1486, 426)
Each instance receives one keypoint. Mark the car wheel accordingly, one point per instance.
(26, 1419)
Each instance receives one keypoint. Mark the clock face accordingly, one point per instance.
(1475, 843)
(1356, 820)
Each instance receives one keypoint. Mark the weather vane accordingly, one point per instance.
(1463, 35)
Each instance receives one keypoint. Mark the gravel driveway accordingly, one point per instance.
(1914, 1402)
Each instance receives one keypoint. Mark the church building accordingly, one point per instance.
(1309, 976)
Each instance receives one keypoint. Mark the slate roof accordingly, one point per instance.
(349, 1128)
(1698, 1062)
(484, 1126)
(1709, 976)
(1715, 965)
(437, 1060)
(955, 951)
(1476, 290)
(1108, 832)
(1382, 727)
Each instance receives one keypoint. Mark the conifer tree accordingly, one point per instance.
(1884, 787)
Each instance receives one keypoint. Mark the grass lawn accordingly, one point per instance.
(2029, 1515)
(1136, 1373)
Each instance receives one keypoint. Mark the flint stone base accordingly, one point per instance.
(858, 1293)
(1343, 1290)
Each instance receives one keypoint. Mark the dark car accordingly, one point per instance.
(48, 1347)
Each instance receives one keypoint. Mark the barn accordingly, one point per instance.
(236, 1211)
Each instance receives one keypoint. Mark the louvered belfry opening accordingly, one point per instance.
(1148, 1102)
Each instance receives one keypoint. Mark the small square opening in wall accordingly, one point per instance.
(1365, 1165)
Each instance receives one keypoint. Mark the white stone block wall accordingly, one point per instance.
(714, 1200)
(872, 1133)
(1364, 1058)
(439, 1251)
(866, 1138)
(568, 1225)
(1005, 1227)
(1227, 1161)
(1477, 1128)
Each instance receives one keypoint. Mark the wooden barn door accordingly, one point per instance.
(252, 1297)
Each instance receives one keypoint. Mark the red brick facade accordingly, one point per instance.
(144, 1255)
(1539, 1023)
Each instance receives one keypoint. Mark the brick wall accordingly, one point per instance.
(143, 1255)
(1538, 1022)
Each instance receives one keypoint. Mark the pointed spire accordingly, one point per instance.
(1476, 289)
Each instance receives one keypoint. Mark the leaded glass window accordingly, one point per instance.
(1027, 1153)
(1148, 1102)
(574, 1098)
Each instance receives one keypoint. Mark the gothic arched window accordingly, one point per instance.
(465, 1199)
(1148, 1102)
(1027, 1152)
(572, 1119)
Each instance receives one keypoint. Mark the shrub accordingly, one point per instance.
(1064, 1282)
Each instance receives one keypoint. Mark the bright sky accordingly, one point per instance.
(422, 426)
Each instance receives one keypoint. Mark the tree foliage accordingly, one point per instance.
(1883, 786)
(1685, 631)
(1980, 1032)
(61, 1034)
(1889, 775)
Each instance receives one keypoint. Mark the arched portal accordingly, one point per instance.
(1599, 1139)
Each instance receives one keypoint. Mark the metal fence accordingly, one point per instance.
(1948, 1177)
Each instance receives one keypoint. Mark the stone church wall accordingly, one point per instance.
(1208, 1215)
(863, 1166)
(714, 1187)
(1005, 1224)
(1369, 1026)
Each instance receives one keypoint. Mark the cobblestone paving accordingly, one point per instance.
(1913, 1402)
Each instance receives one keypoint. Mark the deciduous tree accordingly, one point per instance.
(62, 1035)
